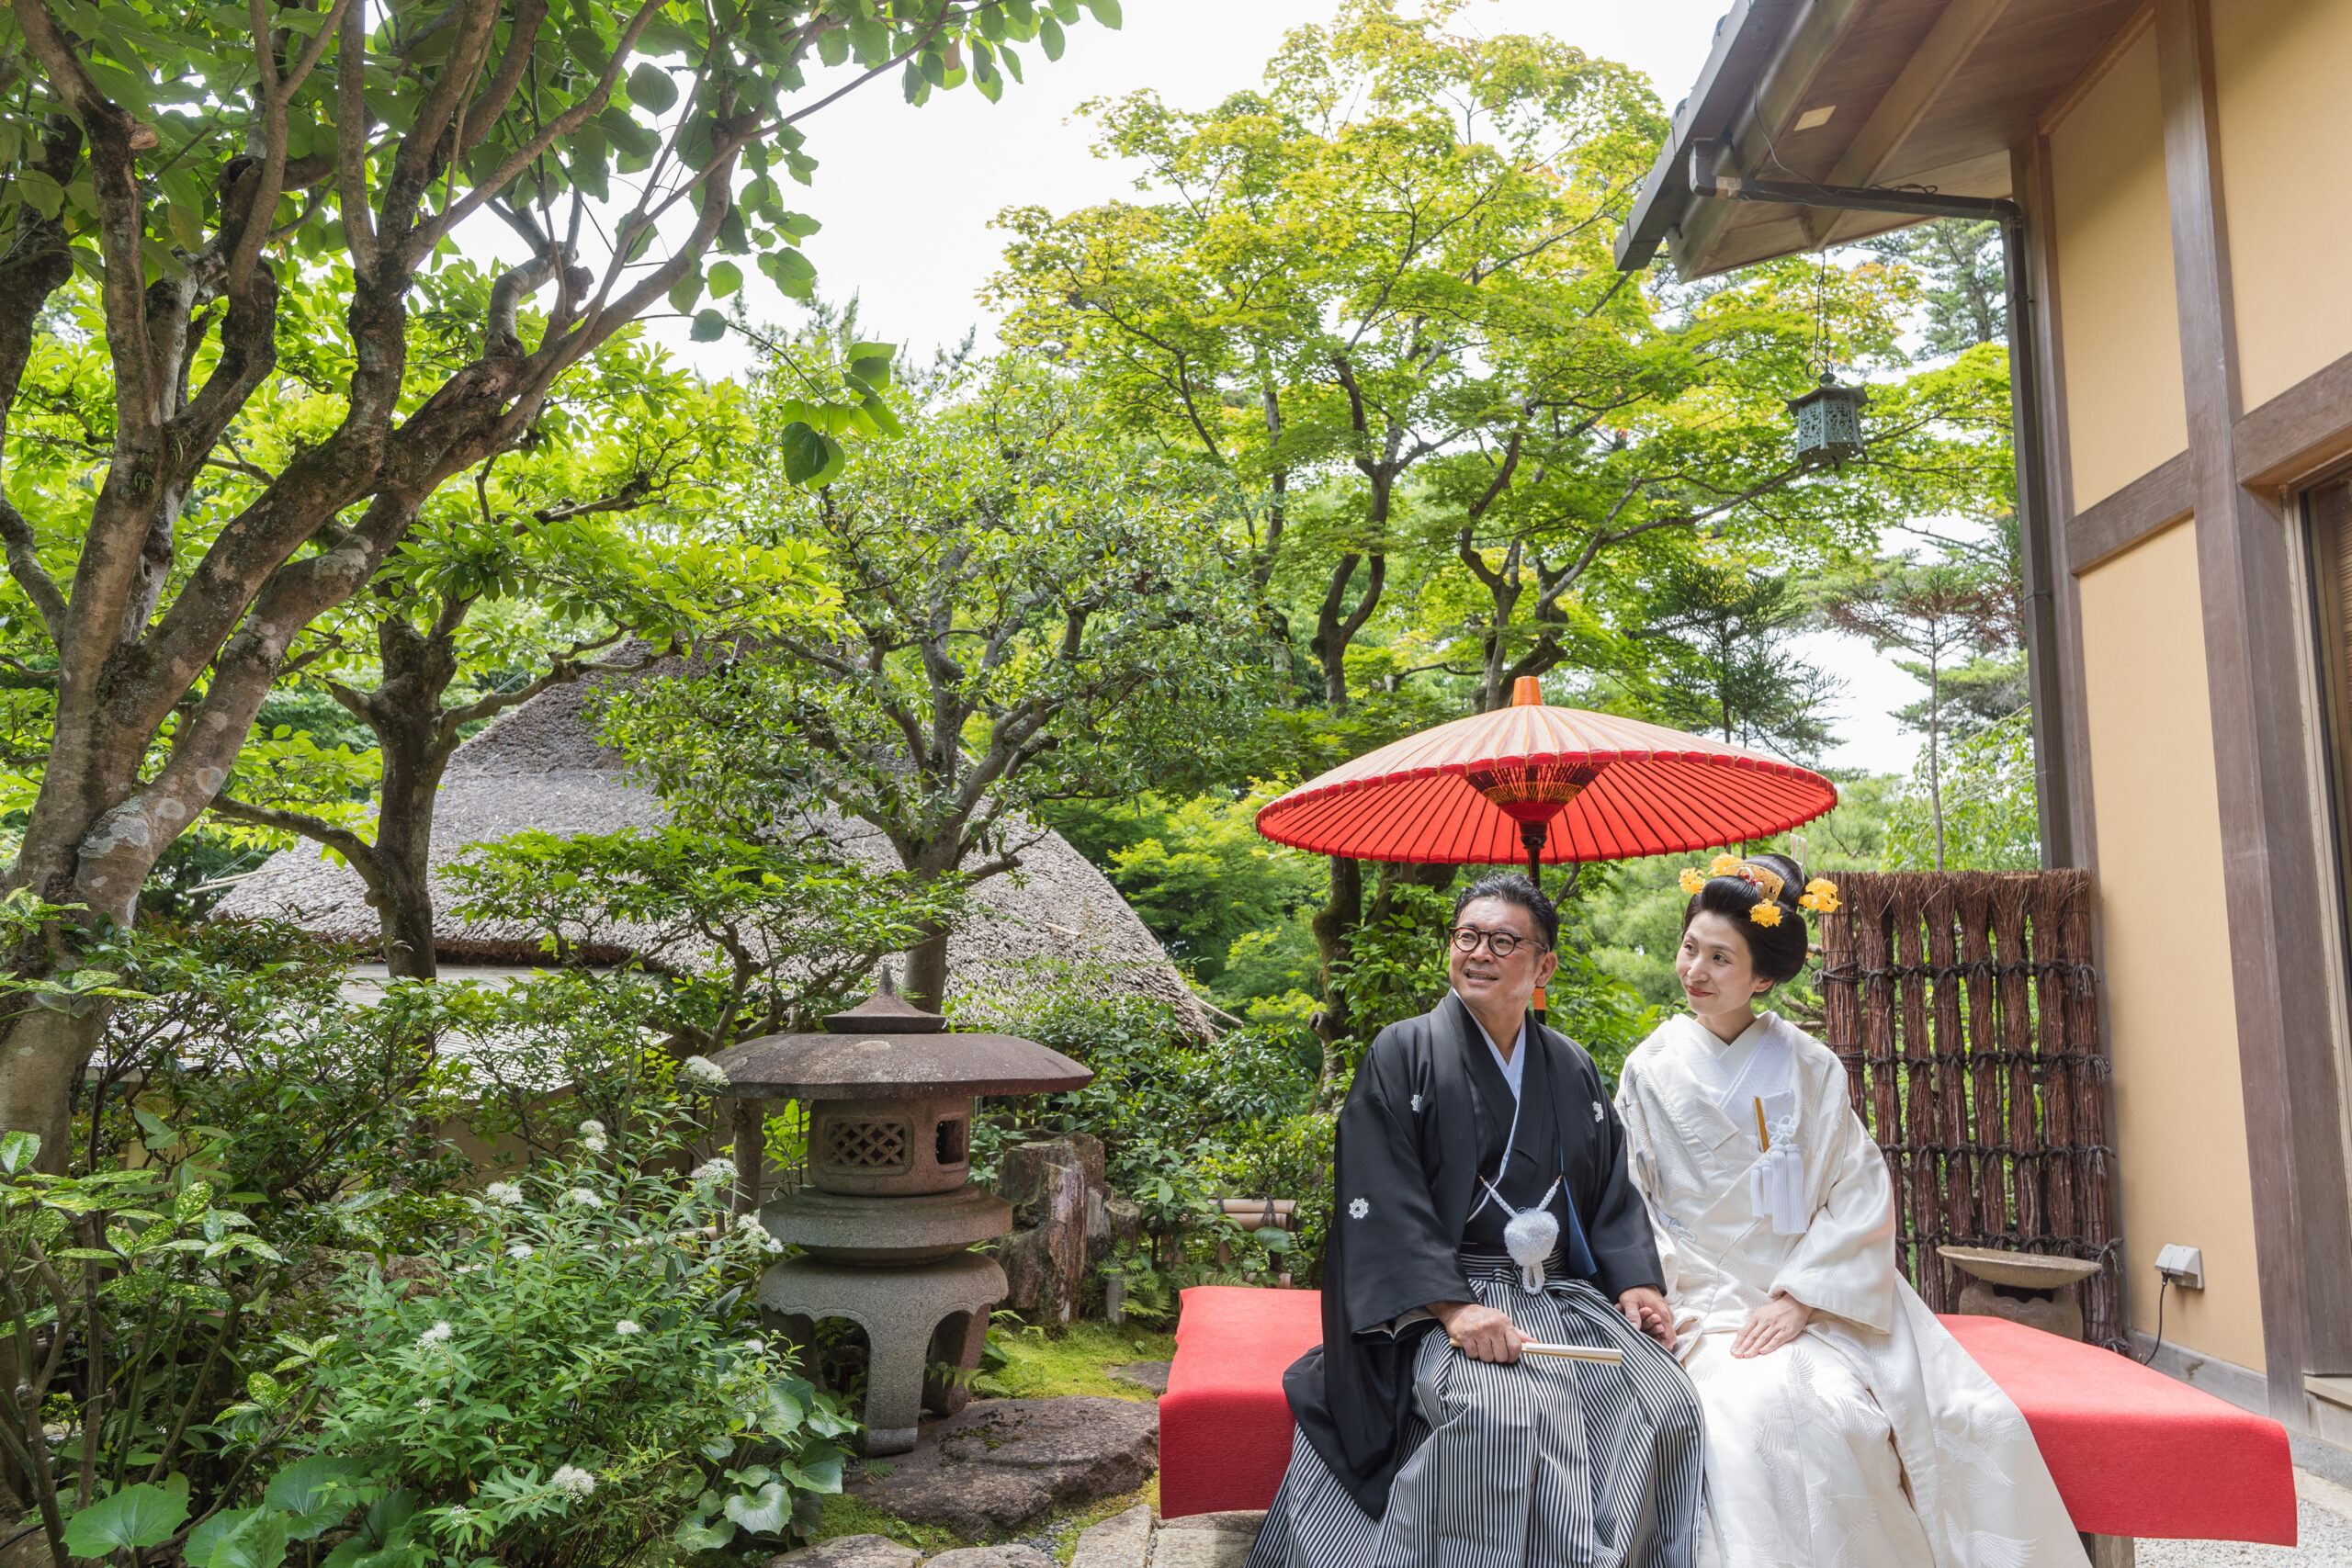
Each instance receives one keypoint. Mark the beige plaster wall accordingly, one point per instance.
(2180, 1125)
(2111, 227)
(2282, 70)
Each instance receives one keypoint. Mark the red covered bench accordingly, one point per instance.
(2133, 1452)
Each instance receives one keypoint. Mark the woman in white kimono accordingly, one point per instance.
(1844, 1425)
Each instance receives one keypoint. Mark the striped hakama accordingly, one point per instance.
(1547, 1463)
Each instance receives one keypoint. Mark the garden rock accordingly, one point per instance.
(1056, 1189)
(850, 1551)
(1123, 1540)
(1005, 1463)
(1017, 1555)
(1152, 1375)
(1207, 1540)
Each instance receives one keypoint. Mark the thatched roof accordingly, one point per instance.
(542, 766)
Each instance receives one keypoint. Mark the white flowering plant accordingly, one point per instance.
(578, 1378)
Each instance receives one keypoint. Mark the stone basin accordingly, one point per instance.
(2019, 1271)
(840, 1228)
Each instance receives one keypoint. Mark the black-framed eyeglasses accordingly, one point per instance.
(1502, 945)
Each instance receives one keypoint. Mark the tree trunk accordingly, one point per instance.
(1335, 926)
(48, 1051)
(926, 982)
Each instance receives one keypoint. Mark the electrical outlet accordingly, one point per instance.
(2184, 1266)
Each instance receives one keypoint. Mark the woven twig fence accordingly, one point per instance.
(1966, 1011)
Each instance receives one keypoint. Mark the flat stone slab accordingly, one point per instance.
(1016, 1555)
(850, 1551)
(1003, 1464)
(1123, 1540)
(1152, 1375)
(1207, 1540)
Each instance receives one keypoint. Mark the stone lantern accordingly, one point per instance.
(887, 1210)
(1829, 421)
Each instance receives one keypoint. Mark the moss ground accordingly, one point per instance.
(1040, 1365)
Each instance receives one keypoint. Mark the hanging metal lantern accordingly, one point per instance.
(1829, 421)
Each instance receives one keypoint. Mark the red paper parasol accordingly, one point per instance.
(1544, 784)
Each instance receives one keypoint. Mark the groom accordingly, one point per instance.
(1424, 1436)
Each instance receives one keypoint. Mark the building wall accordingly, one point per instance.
(2179, 1122)
(2111, 227)
(2282, 69)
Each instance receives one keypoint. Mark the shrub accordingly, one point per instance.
(568, 1377)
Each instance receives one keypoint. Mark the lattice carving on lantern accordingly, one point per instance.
(866, 1146)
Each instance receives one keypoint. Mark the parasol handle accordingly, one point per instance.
(1534, 835)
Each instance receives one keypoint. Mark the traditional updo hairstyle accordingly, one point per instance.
(1778, 950)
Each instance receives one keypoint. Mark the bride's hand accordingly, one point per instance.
(1772, 1326)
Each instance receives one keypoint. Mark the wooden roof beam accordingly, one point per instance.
(1774, 104)
(1940, 55)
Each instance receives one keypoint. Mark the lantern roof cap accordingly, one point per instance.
(886, 1048)
(1828, 389)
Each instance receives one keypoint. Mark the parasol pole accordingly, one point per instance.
(1533, 834)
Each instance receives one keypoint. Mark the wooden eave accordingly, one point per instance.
(1931, 92)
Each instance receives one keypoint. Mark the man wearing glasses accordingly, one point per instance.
(1483, 1204)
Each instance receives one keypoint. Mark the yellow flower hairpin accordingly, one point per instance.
(1820, 896)
(1765, 882)
(1765, 912)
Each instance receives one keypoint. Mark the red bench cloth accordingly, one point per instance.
(2133, 1452)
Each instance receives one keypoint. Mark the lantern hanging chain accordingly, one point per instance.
(1821, 315)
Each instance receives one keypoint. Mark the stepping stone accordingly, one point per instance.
(1123, 1540)
(1002, 1464)
(1152, 1375)
(1207, 1540)
(1016, 1555)
(850, 1551)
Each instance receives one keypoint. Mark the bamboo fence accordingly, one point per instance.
(1966, 1007)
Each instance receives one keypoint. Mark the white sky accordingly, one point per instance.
(906, 196)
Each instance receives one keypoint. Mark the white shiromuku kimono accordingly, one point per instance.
(1873, 1439)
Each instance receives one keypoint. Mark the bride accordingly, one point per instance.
(1844, 1425)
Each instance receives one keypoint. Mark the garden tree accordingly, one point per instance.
(584, 554)
(1380, 293)
(1966, 286)
(1031, 611)
(205, 167)
(758, 931)
(1721, 636)
(1936, 612)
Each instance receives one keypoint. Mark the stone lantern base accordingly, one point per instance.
(912, 1315)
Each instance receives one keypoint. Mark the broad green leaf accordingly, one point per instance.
(686, 290)
(316, 1491)
(18, 1151)
(140, 1516)
(709, 327)
(805, 453)
(1049, 38)
(697, 1535)
(1106, 11)
(764, 1512)
(650, 88)
(257, 1540)
(724, 278)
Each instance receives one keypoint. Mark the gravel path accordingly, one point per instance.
(2322, 1523)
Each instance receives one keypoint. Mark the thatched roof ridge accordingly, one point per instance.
(541, 765)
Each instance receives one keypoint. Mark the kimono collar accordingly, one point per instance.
(1514, 1068)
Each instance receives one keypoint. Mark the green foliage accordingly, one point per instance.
(570, 1368)
(743, 936)
(1719, 633)
(1990, 820)
(1008, 577)
(1199, 875)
